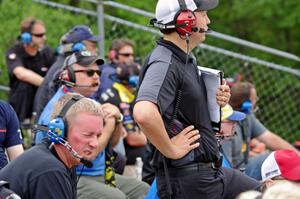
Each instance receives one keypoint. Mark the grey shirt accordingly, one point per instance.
(238, 148)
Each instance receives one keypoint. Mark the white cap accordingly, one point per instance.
(270, 168)
(166, 9)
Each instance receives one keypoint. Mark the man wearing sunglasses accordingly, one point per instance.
(28, 62)
(80, 75)
(121, 53)
(78, 38)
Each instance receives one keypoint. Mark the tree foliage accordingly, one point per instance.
(273, 23)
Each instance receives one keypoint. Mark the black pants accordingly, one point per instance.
(204, 183)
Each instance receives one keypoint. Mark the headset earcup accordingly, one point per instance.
(71, 75)
(185, 21)
(77, 47)
(246, 107)
(26, 38)
(57, 128)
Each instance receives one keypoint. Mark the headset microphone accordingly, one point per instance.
(91, 85)
(86, 163)
(201, 30)
(72, 84)
(68, 83)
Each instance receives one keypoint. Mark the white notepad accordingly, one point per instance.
(212, 79)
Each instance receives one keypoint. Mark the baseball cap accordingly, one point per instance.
(166, 9)
(229, 114)
(83, 58)
(285, 163)
(79, 33)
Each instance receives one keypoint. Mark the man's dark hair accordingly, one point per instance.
(240, 92)
(117, 44)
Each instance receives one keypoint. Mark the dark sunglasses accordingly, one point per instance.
(89, 72)
(39, 35)
(126, 54)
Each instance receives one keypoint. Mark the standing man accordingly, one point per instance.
(172, 99)
(28, 62)
(46, 170)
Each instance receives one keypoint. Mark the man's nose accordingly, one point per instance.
(94, 142)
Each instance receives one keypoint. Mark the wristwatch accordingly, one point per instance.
(120, 119)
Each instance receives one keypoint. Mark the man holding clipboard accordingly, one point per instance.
(172, 100)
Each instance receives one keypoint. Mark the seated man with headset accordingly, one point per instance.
(78, 38)
(46, 170)
(81, 75)
(244, 99)
(28, 62)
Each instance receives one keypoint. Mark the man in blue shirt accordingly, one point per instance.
(10, 136)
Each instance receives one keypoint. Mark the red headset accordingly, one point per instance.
(184, 21)
(67, 76)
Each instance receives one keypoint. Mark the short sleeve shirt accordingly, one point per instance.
(164, 73)
(39, 173)
(22, 93)
(10, 134)
(238, 147)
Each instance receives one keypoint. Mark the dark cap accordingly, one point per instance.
(83, 58)
(79, 33)
(167, 9)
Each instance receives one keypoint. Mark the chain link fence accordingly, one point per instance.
(278, 87)
(278, 90)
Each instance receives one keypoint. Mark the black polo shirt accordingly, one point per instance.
(164, 73)
(22, 93)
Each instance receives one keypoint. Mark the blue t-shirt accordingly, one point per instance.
(98, 164)
(10, 134)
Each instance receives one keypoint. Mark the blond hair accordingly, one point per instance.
(249, 195)
(283, 190)
(84, 105)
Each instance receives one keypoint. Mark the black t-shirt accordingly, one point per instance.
(164, 73)
(38, 173)
(22, 94)
(123, 98)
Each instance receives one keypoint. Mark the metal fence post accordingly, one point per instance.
(100, 26)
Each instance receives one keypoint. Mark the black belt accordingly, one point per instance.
(188, 168)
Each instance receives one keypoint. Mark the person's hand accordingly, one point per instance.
(223, 94)
(110, 111)
(185, 141)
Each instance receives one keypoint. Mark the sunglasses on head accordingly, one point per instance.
(39, 35)
(126, 54)
(89, 72)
